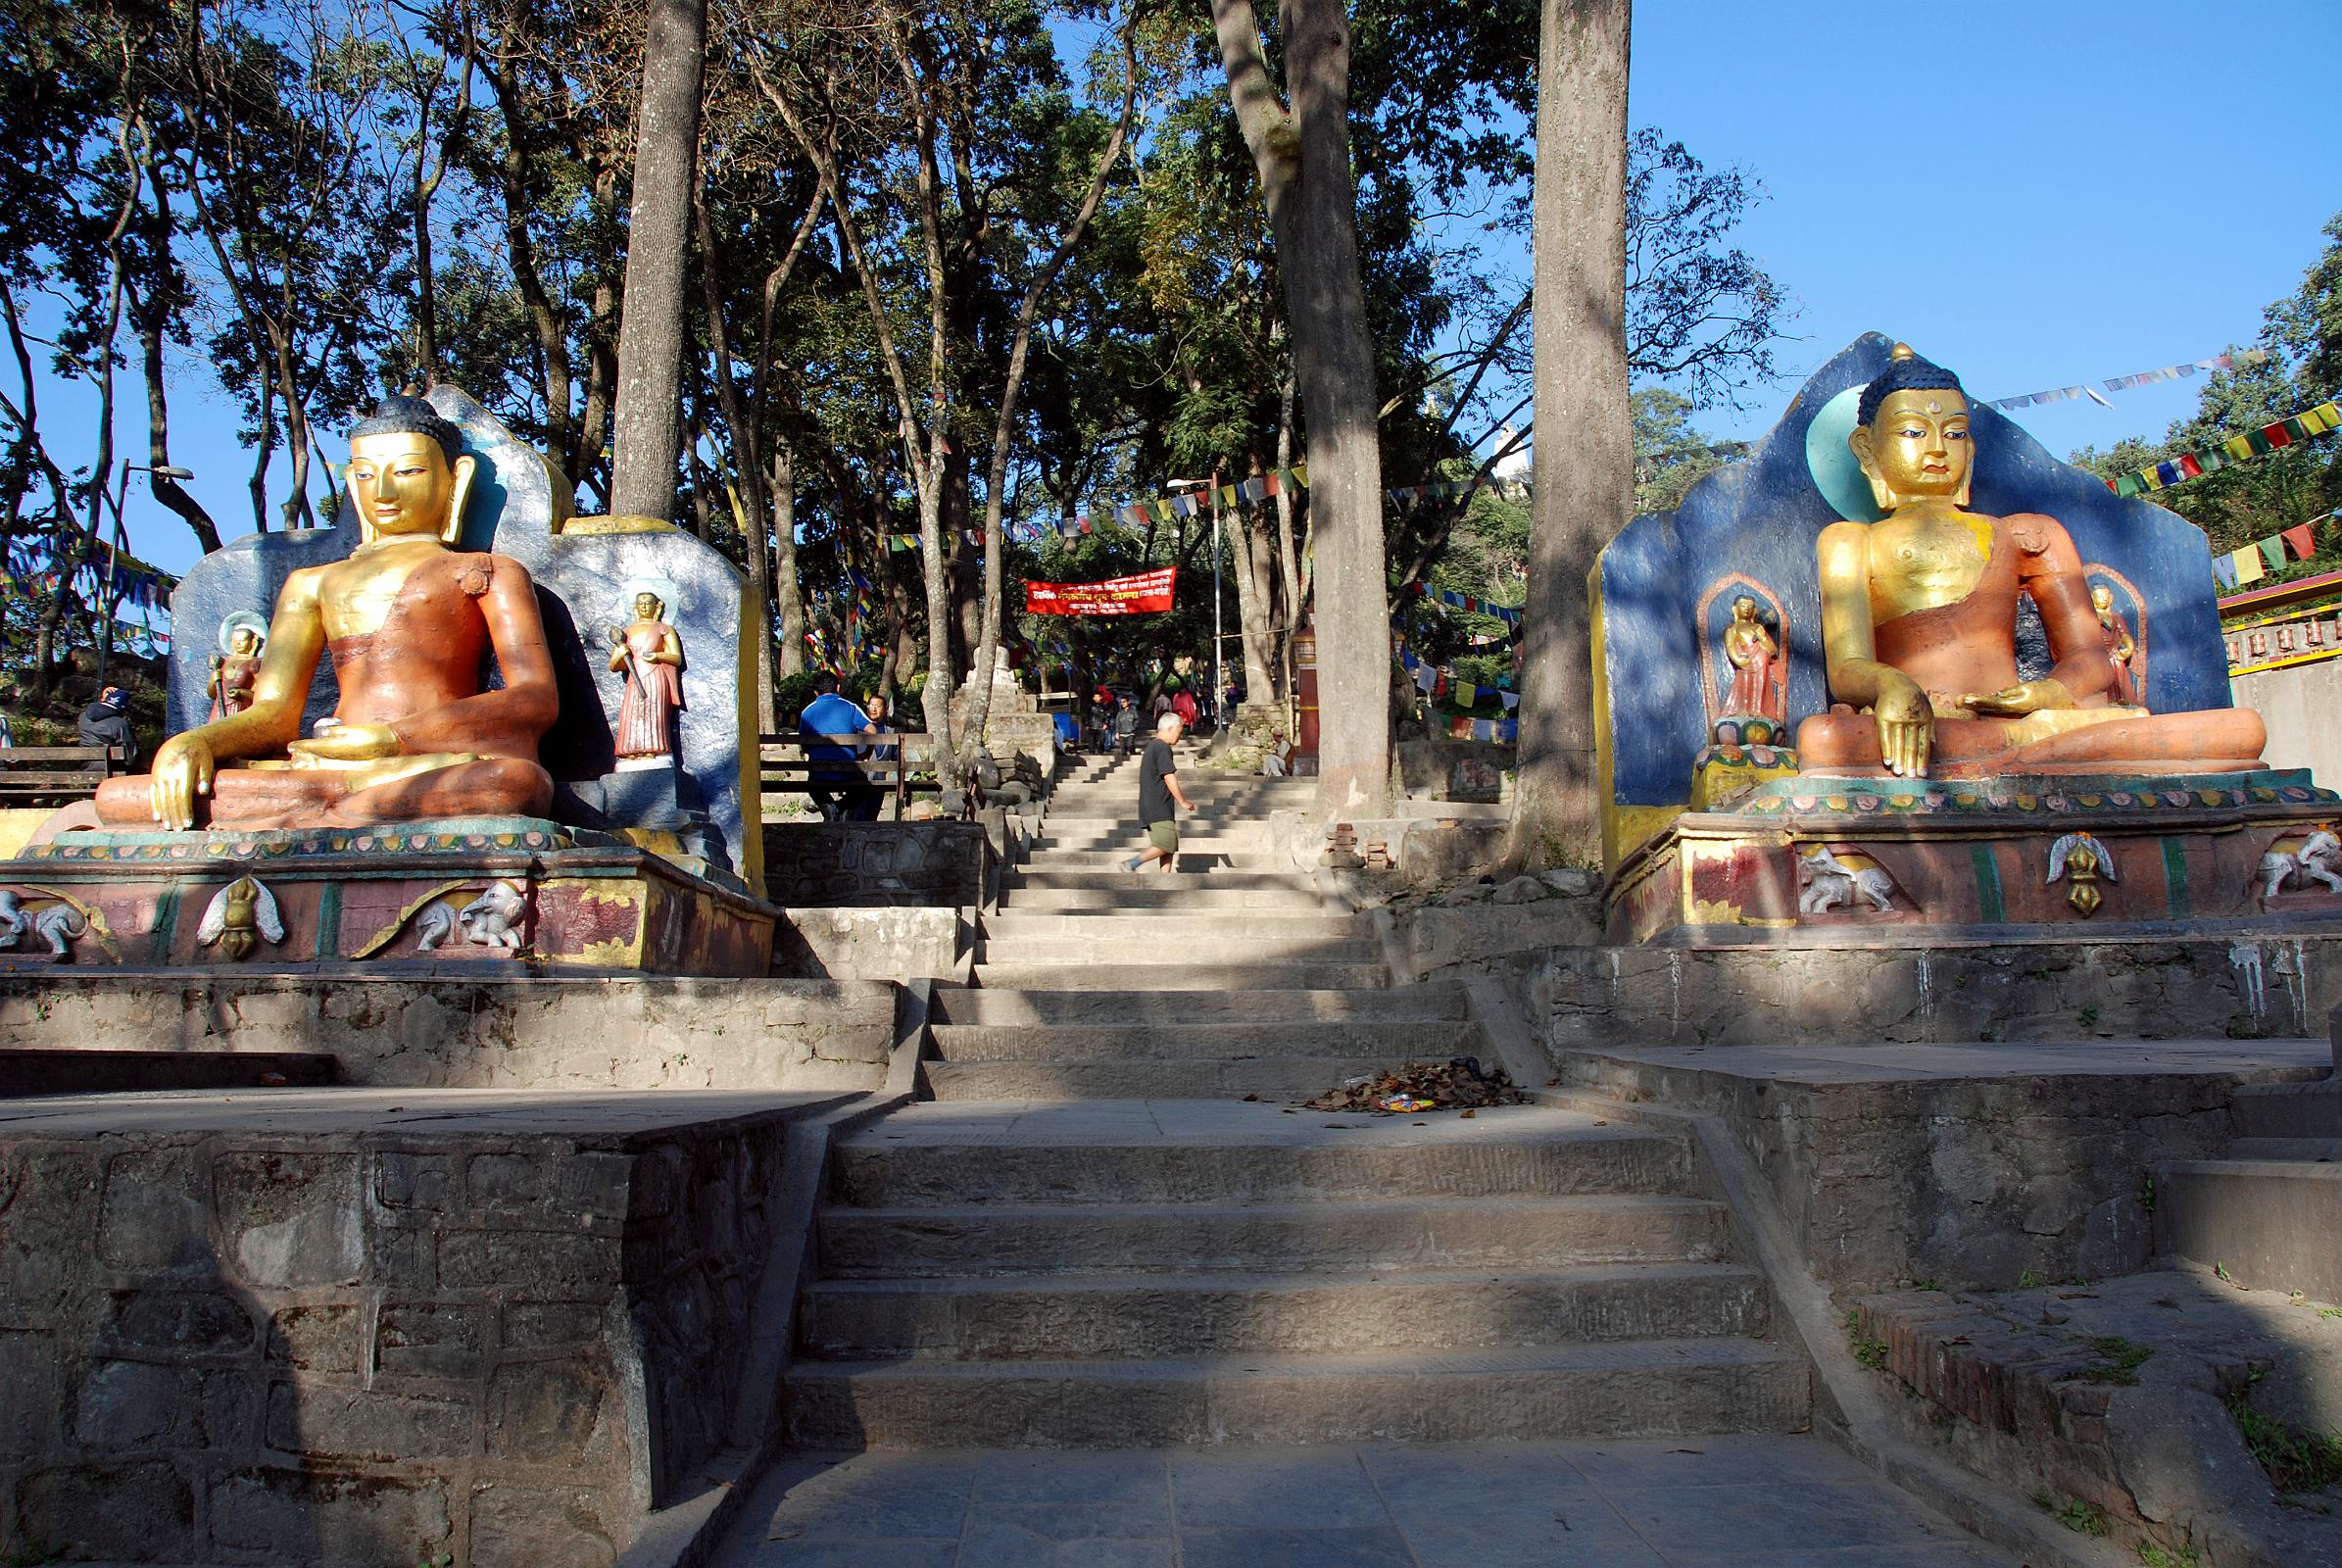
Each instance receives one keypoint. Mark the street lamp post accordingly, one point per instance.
(120, 546)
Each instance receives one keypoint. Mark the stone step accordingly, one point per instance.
(1116, 879)
(2270, 1223)
(1637, 1387)
(1108, 1315)
(1272, 1079)
(1483, 1233)
(1104, 1044)
(2289, 1110)
(1055, 1003)
(1236, 930)
(1118, 858)
(2305, 1150)
(72, 1070)
(1373, 1160)
(1134, 897)
(1296, 975)
(1264, 943)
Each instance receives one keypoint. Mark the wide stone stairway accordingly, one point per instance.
(1089, 1239)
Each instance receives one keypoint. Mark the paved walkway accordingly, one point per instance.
(1676, 1502)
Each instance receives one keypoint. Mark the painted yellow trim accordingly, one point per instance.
(17, 827)
(2319, 658)
(383, 938)
(752, 783)
(1604, 762)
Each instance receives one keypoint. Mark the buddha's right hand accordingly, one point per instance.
(1906, 726)
(182, 772)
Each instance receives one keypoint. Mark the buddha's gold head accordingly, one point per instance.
(2102, 598)
(647, 606)
(409, 474)
(245, 642)
(1744, 608)
(1912, 438)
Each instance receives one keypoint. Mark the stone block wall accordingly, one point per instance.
(457, 1029)
(1971, 1183)
(1883, 991)
(244, 1342)
(819, 864)
(879, 944)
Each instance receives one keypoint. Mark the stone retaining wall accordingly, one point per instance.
(826, 865)
(298, 1329)
(1971, 1182)
(458, 1030)
(2144, 988)
(886, 943)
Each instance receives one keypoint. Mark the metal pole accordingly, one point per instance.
(1218, 685)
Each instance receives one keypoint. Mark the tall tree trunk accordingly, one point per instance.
(1303, 160)
(657, 240)
(1583, 490)
(789, 601)
(1253, 560)
(1289, 563)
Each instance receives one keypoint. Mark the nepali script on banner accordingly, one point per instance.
(1144, 595)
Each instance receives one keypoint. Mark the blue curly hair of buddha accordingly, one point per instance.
(1905, 372)
(400, 414)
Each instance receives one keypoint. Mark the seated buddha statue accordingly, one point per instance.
(410, 625)
(1918, 620)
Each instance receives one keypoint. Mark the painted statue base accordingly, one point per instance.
(1792, 858)
(498, 891)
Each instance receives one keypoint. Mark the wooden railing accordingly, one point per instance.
(56, 775)
(783, 768)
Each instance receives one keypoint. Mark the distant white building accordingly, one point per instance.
(1512, 468)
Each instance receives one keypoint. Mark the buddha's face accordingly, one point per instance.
(645, 607)
(1917, 447)
(1743, 610)
(406, 488)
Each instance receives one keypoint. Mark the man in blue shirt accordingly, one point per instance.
(839, 793)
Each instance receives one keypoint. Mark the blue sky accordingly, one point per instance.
(2034, 194)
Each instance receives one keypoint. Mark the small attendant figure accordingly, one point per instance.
(1752, 653)
(2121, 647)
(651, 656)
(237, 664)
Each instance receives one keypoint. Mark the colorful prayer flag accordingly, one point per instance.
(2303, 540)
(2249, 569)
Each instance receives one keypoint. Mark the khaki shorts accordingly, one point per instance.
(1164, 836)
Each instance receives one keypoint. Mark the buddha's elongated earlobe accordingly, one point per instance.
(1858, 441)
(467, 466)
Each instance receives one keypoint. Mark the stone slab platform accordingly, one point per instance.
(376, 1326)
(1719, 1501)
(2114, 1397)
(1971, 1165)
(460, 1026)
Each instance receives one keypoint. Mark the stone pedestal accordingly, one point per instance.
(1013, 722)
(1792, 855)
(499, 892)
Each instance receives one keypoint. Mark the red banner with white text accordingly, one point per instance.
(1147, 593)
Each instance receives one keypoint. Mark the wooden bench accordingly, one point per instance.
(783, 768)
(56, 775)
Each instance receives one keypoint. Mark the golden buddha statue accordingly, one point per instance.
(1919, 617)
(409, 624)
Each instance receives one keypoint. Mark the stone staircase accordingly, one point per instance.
(2269, 1212)
(1087, 1239)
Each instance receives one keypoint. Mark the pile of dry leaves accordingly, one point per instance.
(1458, 1085)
